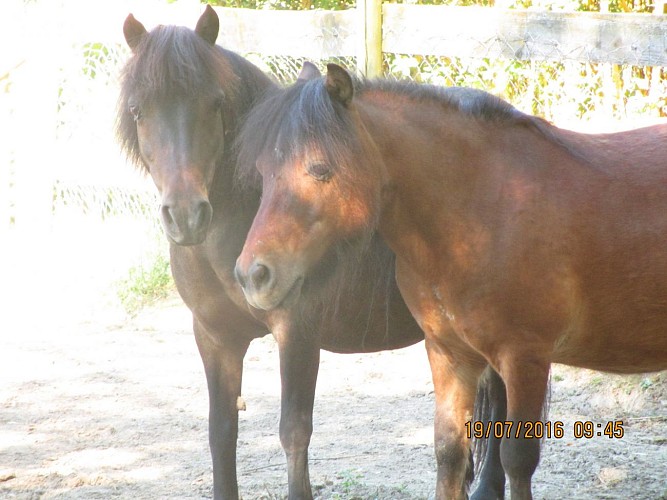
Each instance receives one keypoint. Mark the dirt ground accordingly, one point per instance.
(112, 407)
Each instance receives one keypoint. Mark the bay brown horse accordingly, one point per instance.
(181, 103)
(518, 244)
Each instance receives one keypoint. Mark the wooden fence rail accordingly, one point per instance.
(638, 39)
(374, 28)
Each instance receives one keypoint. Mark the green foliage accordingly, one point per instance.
(350, 484)
(552, 89)
(570, 5)
(285, 4)
(102, 60)
(349, 481)
(95, 55)
(655, 381)
(567, 5)
(145, 284)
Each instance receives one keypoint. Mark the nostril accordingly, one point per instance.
(167, 217)
(203, 215)
(259, 275)
(240, 277)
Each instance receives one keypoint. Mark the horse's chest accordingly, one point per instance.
(203, 273)
(424, 300)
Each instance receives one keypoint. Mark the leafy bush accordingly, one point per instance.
(145, 284)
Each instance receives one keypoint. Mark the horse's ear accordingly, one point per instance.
(208, 25)
(134, 31)
(339, 84)
(309, 72)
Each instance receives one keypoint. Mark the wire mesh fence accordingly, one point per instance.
(104, 202)
(286, 69)
(96, 182)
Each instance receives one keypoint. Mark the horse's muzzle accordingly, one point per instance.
(186, 225)
(262, 286)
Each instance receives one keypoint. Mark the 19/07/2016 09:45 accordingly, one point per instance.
(539, 430)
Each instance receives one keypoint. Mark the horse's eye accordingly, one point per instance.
(135, 111)
(320, 171)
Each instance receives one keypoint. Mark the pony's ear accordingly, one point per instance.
(309, 72)
(208, 25)
(339, 84)
(134, 31)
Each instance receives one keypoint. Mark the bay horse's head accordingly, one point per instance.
(306, 142)
(171, 119)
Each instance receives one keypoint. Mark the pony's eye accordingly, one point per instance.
(320, 171)
(135, 111)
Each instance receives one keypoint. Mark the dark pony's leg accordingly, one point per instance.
(223, 363)
(299, 365)
(455, 384)
(526, 377)
(490, 406)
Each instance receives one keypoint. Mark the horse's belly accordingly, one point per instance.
(628, 351)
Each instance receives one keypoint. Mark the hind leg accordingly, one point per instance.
(455, 385)
(491, 480)
(526, 378)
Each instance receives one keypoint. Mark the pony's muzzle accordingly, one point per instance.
(256, 281)
(186, 225)
(266, 287)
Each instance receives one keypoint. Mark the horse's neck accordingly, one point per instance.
(234, 208)
(430, 154)
(445, 169)
(228, 196)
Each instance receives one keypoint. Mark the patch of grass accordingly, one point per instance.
(351, 484)
(145, 284)
(646, 383)
(349, 481)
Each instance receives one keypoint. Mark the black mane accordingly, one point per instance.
(474, 102)
(175, 62)
(289, 117)
(304, 114)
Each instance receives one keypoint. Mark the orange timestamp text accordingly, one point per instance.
(612, 429)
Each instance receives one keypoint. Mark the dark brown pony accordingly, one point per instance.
(517, 244)
(182, 101)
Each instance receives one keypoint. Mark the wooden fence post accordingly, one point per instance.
(369, 59)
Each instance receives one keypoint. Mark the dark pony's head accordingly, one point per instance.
(304, 142)
(180, 101)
